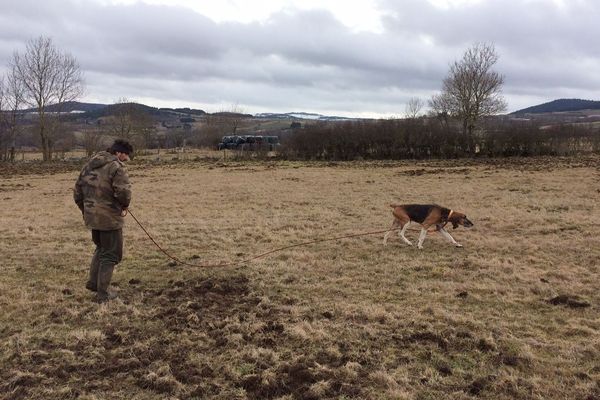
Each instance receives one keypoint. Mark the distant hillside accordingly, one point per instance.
(300, 115)
(185, 110)
(72, 106)
(119, 108)
(561, 105)
(94, 110)
(227, 114)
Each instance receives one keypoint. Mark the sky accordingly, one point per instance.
(361, 58)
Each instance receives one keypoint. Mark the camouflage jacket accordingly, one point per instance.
(102, 191)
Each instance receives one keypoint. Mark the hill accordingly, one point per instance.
(95, 110)
(72, 106)
(560, 105)
(300, 115)
(185, 110)
(119, 108)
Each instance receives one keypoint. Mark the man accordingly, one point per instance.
(103, 193)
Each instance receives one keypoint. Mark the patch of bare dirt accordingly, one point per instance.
(435, 171)
(571, 301)
(8, 169)
(217, 337)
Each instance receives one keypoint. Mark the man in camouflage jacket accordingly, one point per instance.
(103, 193)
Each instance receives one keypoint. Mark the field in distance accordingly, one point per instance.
(512, 315)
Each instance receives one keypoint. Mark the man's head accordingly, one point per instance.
(122, 149)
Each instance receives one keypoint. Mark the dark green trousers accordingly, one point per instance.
(109, 252)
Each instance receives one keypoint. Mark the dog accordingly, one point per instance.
(426, 215)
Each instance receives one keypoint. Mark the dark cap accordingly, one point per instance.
(121, 146)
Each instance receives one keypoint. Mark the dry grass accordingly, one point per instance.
(337, 320)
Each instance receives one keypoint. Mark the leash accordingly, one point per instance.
(231, 264)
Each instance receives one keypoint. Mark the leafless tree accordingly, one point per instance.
(413, 107)
(120, 124)
(472, 89)
(11, 100)
(235, 116)
(227, 120)
(440, 108)
(129, 121)
(92, 140)
(3, 118)
(49, 77)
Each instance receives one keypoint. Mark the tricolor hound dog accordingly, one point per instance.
(426, 215)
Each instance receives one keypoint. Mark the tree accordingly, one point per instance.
(130, 121)
(11, 99)
(440, 108)
(471, 90)
(3, 118)
(92, 140)
(224, 122)
(49, 77)
(413, 107)
(227, 120)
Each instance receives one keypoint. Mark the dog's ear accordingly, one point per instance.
(454, 225)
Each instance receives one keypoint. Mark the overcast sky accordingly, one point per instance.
(361, 58)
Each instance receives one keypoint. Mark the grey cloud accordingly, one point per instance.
(306, 59)
(545, 47)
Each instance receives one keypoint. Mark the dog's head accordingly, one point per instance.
(459, 219)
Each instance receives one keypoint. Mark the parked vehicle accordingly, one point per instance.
(230, 142)
(249, 142)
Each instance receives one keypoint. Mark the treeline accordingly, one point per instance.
(437, 138)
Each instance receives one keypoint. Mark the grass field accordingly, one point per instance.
(512, 315)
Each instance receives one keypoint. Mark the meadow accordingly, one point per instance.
(512, 315)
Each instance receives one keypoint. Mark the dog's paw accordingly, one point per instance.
(420, 247)
(458, 245)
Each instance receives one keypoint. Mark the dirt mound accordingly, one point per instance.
(571, 301)
(230, 314)
(201, 304)
(435, 171)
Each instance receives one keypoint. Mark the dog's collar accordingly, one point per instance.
(447, 218)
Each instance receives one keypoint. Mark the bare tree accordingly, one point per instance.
(3, 119)
(235, 116)
(11, 100)
(413, 107)
(121, 122)
(130, 121)
(49, 77)
(92, 140)
(228, 120)
(440, 108)
(471, 90)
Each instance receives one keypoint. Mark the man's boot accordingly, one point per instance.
(104, 276)
(92, 283)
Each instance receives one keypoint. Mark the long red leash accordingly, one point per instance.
(230, 264)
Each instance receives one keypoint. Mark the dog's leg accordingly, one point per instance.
(395, 225)
(449, 237)
(422, 237)
(401, 234)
